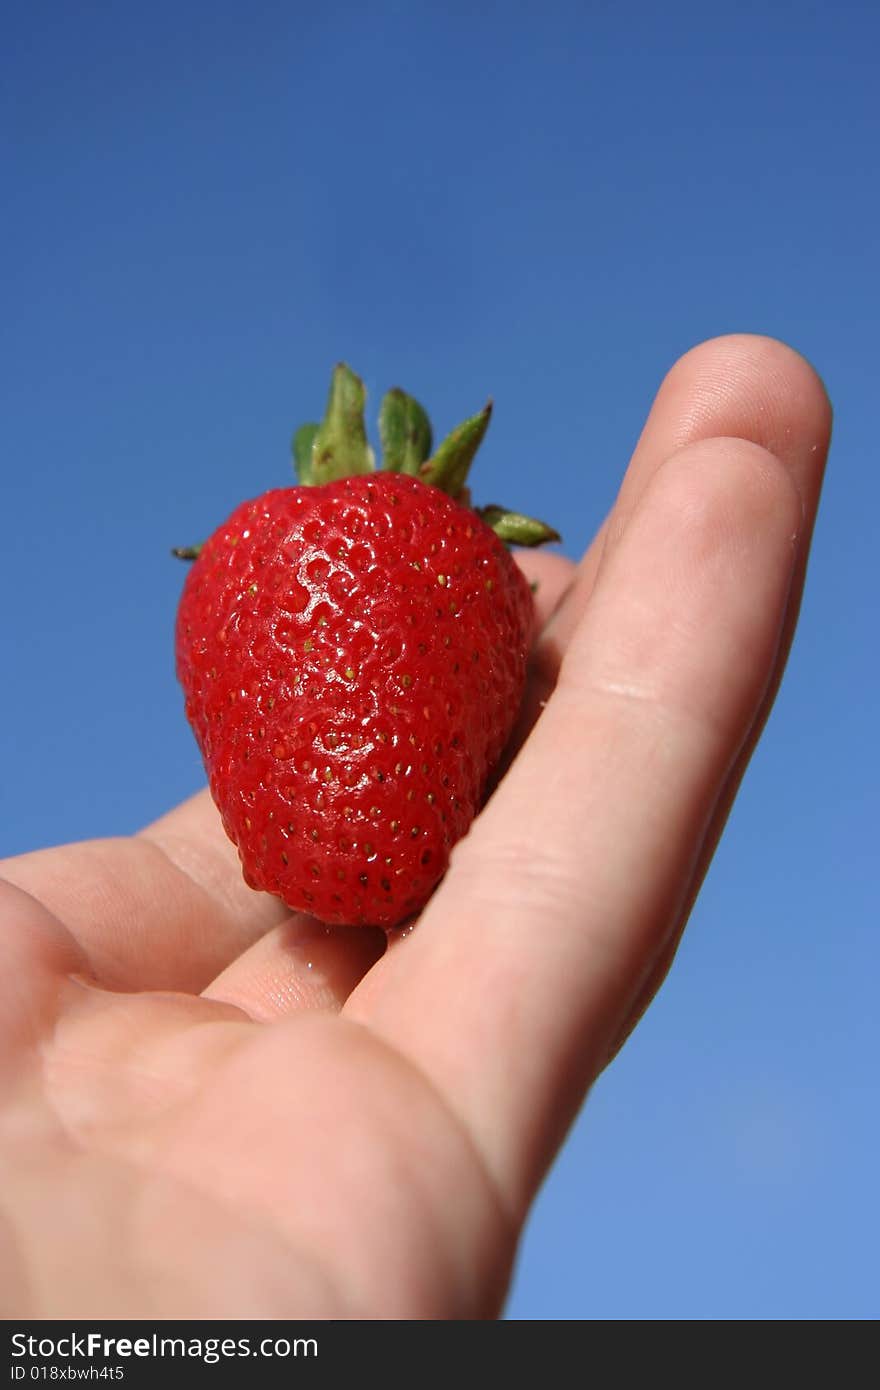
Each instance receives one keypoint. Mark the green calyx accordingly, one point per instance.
(515, 529)
(337, 448)
(405, 432)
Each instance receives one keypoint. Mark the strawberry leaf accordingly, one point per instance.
(448, 468)
(515, 529)
(301, 448)
(340, 448)
(405, 432)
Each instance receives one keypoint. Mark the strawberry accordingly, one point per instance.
(353, 655)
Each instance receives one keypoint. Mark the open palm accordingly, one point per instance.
(214, 1109)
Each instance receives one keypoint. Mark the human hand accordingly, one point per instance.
(213, 1109)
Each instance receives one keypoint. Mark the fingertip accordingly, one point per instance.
(300, 965)
(734, 479)
(550, 575)
(754, 387)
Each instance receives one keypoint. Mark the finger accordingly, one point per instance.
(299, 965)
(166, 909)
(550, 575)
(509, 992)
(36, 952)
(806, 455)
(740, 386)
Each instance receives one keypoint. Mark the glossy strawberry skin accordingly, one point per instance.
(353, 657)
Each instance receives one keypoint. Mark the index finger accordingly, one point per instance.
(521, 972)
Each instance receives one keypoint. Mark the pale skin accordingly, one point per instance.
(213, 1109)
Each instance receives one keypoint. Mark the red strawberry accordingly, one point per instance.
(353, 655)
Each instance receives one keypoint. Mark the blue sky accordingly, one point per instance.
(206, 205)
